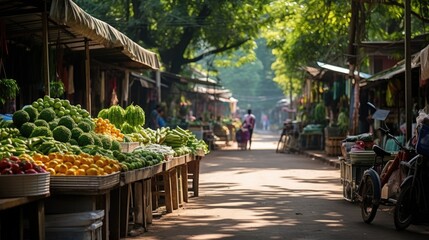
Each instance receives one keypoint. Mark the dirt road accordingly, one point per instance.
(259, 194)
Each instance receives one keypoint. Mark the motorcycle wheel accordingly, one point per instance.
(369, 204)
(404, 209)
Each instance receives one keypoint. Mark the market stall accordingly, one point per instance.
(95, 164)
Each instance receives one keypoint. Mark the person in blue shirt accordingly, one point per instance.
(160, 118)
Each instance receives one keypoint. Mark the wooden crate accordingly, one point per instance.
(333, 146)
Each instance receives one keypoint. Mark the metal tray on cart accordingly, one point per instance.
(351, 174)
(87, 183)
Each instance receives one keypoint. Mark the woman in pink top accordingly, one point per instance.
(249, 123)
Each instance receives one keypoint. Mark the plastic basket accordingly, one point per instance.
(80, 219)
(423, 141)
(24, 185)
(91, 232)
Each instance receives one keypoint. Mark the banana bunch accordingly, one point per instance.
(8, 132)
(136, 137)
(13, 147)
(46, 145)
(154, 136)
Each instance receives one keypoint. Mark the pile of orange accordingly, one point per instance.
(104, 126)
(64, 164)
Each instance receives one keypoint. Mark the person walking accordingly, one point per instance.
(249, 123)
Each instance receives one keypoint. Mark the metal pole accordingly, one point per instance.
(408, 85)
(158, 85)
(46, 77)
(87, 77)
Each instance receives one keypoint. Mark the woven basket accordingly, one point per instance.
(24, 185)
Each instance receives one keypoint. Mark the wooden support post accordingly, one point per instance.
(174, 188)
(125, 209)
(184, 173)
(168, 192)
(115, 213)
(147, 200)
(138, 202)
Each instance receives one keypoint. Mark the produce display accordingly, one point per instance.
(64, 164)
(131, 120)
(23, 164)
(55, 136)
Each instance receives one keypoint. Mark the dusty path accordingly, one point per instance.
(259, 194)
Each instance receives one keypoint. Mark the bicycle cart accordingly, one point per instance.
(242, 137)
(352, 171)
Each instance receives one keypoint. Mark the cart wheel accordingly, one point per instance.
(404, 209)
(281, 144)
(370, 203)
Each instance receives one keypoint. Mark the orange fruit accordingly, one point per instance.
(92, 172)
(61, 168)
(45, 159)
(52, 164)
(52, 155)
(107, 169)
(84, 166)
(68, 164)
(100, 163)
(71, 172)
(77, 162)
(81, 172)
(51, 171)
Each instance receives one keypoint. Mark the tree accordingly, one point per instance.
(179, 29)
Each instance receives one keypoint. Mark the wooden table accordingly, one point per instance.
(13, 212)
(193, 173)
(167, 183)
(135, 188)
(79, 199)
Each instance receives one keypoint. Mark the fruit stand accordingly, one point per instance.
(110, 165)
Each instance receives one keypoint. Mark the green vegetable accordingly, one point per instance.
(53, 124)
(116, 146)
(27, 128)
(20, 117)
(106, 141)
(41, 131)
(32, 112)
(85, 139)
(67, 121)
(84, 126)
(76, 132)
(47, 114)
(41, 123)
(61, 133)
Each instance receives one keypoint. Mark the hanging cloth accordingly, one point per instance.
(424, 63)
(70, 87)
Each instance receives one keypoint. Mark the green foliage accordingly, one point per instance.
(319, 113)
(61, 133)
(8, 89)
(184, 31)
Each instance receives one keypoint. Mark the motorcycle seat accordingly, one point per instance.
(380, 151)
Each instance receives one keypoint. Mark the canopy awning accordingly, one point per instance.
(390, 73)
(342, 70)
(101, 34)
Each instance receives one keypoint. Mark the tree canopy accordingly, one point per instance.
(184, 31)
